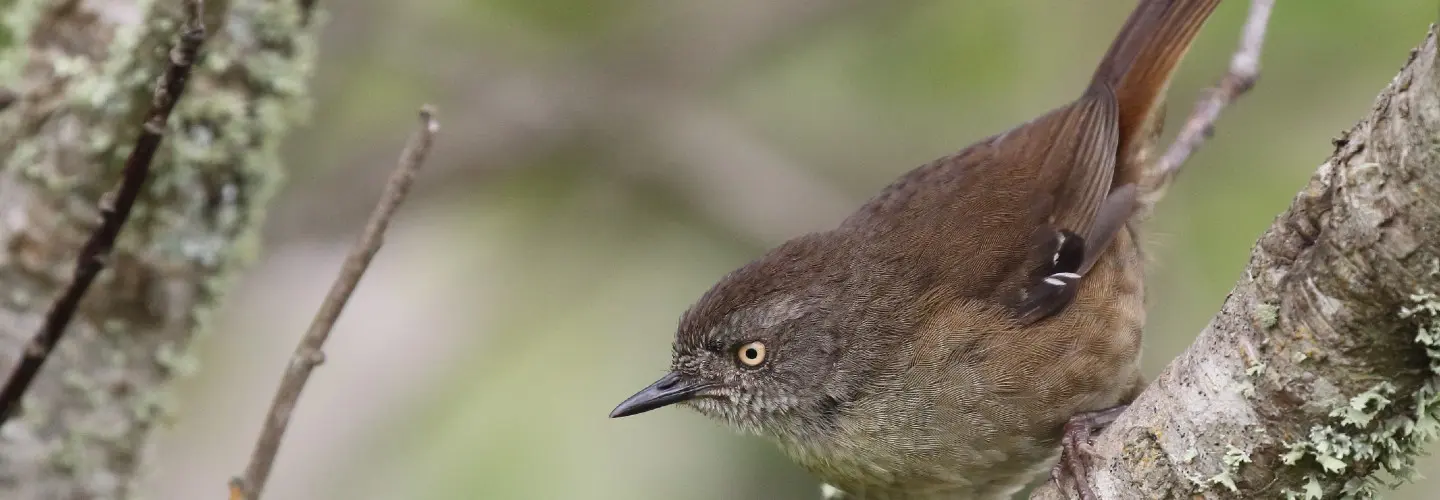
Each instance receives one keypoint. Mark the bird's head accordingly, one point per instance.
(759, 350)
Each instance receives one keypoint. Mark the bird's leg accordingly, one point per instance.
(1075, 448)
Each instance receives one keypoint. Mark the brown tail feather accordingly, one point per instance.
(1138, 68)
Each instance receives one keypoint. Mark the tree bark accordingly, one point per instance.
(81, 72)
(1320, 375)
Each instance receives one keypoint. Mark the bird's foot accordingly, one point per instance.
(1075, 450)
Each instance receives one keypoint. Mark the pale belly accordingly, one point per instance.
(947, 475)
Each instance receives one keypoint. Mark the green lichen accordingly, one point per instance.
(179, 361)
(154, 405)
(6, 37)
(76, 382)
(197, 223)
(1233, 459)
(1369, 432)
(1230, 464)
(1198, 481)
(219, 164)
(72, 455)
(1266, 315)
(1245, 388)
(1255, 370)
(224, 163)
(17, 20)
(1312, 490)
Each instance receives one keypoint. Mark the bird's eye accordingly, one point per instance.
(751, 354)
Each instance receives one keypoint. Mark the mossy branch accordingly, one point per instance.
(114, 210)
(1320, 375)
(81, 75)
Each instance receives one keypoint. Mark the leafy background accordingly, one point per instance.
(602, 162)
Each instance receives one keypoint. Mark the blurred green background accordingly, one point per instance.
(603, 162)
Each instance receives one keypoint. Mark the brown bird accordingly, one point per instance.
(984, 309)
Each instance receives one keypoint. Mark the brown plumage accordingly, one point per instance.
(937, 342)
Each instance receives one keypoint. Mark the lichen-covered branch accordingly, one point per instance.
(81, 72)
(115, 209)
(1320, 376)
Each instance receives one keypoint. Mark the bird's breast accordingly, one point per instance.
(971, 405)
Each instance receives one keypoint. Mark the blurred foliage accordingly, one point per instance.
(589, 266)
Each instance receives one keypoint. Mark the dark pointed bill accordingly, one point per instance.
(670, 389)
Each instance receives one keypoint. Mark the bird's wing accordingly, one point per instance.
(1006, 214)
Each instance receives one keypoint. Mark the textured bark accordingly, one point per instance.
(1320, 375)
(82, 71)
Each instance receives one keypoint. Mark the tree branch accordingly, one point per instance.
(114, 212)
(308, 353)
(1320, 375)
(1200, 125)
(83, 75)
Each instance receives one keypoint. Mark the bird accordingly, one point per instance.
(972, 324)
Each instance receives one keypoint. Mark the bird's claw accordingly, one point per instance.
(1076, 450)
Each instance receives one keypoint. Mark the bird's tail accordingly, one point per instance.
(1138, 67)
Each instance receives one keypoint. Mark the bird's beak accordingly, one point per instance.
(670, 389)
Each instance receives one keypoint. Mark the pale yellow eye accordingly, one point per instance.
(751, 354)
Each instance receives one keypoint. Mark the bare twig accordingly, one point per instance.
(1244, 71)
(308, 354)
(114, 208)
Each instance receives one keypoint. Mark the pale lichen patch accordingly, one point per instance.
(1368, 434)
(1266, 315)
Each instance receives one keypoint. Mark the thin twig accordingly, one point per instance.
(1241, 77)
(308, 354)
(114, 209)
